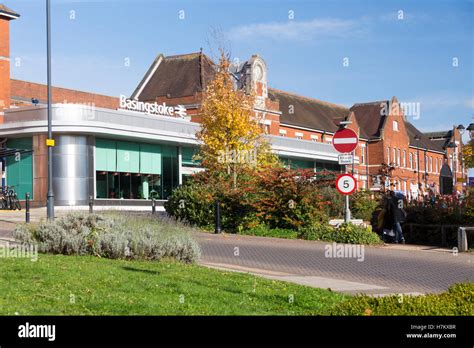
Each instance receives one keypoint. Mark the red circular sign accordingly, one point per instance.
(345, 140)
(346, 184)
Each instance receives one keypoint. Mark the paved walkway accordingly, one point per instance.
(384, 270)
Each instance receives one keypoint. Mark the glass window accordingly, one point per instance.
(395, 126)
(170, 170)
(136, 186)
(105, 155)
(19, 167)
(154, 184)
(128, 157)
(113, 185)
(101, 184)
(125, 186)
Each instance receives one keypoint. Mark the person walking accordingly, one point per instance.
(398, 215)
(385, 220)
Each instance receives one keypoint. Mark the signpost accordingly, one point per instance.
(346, 184)
(346, 158)
(345, 141)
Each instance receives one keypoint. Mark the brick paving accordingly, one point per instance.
(400, 270)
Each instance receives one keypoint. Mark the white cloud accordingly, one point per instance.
(297, 30)
(444, 100)
(469, 103)
(403, 15)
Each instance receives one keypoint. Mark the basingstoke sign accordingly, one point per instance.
(152, 108)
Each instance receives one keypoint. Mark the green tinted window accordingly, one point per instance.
(19, 169)
(105, 155)
(128, 157)
(187, 154)
(150, 159)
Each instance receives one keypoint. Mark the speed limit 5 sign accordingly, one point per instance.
(346, 184)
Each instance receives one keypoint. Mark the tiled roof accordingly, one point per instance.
(424, 141)
(178, 76)
(307, 112)
(7, 11)
(439, 134)
(371, 121)
(370, 118)
(187, 74)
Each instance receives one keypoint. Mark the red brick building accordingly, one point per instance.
(391, 150)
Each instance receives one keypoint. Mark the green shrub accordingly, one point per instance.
(318, 232)
(334, 202)
(346, 233)
(265, 231)
(277, 197)
(112, 236)
(363, 205)
(458, 300)
(192, 203)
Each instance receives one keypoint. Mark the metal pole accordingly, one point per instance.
(347, 215)
(27, 207)
(153, 206)
(91, 204)
(218, 217)
(50, 194)
(454, 167)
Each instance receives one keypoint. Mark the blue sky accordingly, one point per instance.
(411, 58)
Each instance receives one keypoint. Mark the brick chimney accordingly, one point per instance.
(6, 15)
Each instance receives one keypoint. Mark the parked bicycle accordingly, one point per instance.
(9, 198)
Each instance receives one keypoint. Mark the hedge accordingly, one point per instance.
(458, 300)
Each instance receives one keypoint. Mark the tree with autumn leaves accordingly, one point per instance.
(468, 154)
(231, 137)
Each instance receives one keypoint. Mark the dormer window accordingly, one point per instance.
(395, 126)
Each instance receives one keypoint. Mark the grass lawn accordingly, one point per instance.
(87, 285)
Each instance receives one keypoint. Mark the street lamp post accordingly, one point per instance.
(461, 130)
(50, 194)
(470, 128)
(454, 163)
(425, 158)
(417, 138)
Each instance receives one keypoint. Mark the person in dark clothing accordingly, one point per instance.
(397, 214)
(385, 220)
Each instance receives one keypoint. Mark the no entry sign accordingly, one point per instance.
(346, 184)
(345, 140)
